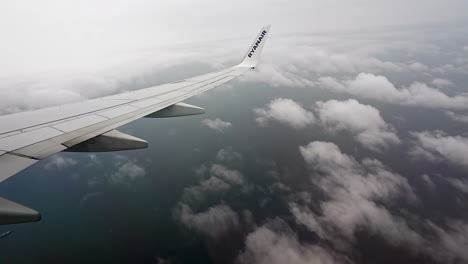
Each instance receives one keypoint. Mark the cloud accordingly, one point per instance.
(286, 112)
(427, 179)
(378, 87)
(267, 246)
(87, 197)
(442, 83)
(231, 176)
(363, 121)
(228, 154)
(460, 184)
(220, 179)
(457, 117)
(128, 170)
(356, 194)
(452, 242)
(437, 146)
(418, 67)
(59, 162)
(198, 192)
(217, 124)
(214, 223)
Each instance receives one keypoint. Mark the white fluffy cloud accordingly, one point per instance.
(363, 121)
(217, 124)
(286, 112)
(437, 146)
(266, 246)
(379, 88)
(353, 189)
(214, 223)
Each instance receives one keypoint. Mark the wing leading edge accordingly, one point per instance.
(28, 137)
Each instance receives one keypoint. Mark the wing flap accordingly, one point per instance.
(12, 164)
(27, 138)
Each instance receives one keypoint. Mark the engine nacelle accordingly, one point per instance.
(110, 141)
(179, 109)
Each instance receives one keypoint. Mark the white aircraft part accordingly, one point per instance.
(40, 150)
(179, 109)
(147, 103)
(77, 123)
(27, 138)
(30, 136)
(253, 54)
(115, 112)
(111, 141)
(11, 164)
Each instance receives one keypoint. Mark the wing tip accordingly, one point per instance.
(252, 57)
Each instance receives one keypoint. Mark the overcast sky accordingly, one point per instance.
(51, 35)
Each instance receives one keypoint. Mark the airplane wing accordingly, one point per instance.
(27, 137)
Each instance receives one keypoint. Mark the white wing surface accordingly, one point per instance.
(28, 137)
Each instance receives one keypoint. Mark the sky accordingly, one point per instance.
(347, 144)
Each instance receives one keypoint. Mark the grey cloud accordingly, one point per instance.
(452, 242)
(437, 146)
(457, 117)
(198, 192)
(284, 111)
(128, 171)
(214, 223)
(267, 246)
(228, 154)
(379, 88)
(460, 184)
(427, 179)
(231, 176)
(220, 179)
(353, 189)
(217, 124)
(285, 69)
(442, 83)
(331, 54)
(59, 162)
(86, 198)
(418, 67)
(363, 121)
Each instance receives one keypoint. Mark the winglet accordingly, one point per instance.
(253, 54)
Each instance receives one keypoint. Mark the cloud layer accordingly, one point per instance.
(378, 87)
